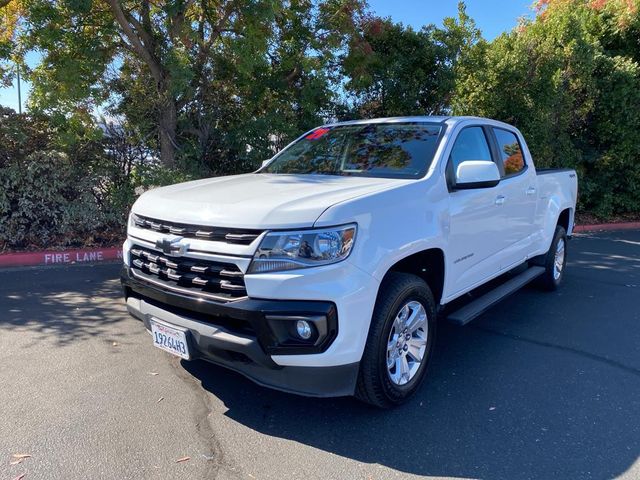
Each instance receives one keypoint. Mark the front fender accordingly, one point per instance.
(407, 220)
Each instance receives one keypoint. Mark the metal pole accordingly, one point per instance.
(19, 93)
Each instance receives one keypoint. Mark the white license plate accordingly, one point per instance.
(170, 339)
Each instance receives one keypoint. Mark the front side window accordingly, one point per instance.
(471, 144)
(388, 150)
(510, 151)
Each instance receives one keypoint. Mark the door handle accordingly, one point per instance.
(500, 199)
(531, 190)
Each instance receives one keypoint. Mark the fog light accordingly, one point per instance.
(304, 329)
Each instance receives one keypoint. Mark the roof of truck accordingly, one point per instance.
(413, 119)
(441, 119)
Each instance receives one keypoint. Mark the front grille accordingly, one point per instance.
(218, 234)
(217, 280)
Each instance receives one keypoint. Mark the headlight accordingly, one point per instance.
(305, 248)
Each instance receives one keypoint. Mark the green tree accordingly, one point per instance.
(569, 79)
(164, 58)
(395, 70)
(245, 115)
(171, 40)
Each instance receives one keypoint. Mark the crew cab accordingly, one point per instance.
(324, 272)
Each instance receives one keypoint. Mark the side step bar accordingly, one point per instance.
(470, 311)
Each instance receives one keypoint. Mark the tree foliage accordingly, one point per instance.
(11, 11)
(45, 193)
(178, 64)
(68, 183)
(393, 70)
(570, 80)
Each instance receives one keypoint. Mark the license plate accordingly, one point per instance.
(170, 339)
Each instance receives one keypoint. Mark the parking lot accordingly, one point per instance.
(544, 385)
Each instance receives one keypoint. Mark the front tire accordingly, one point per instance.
(400, 341)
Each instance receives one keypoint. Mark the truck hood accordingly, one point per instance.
(255, 200)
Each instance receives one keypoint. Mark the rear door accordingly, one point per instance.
(518, 186)
(476, 217)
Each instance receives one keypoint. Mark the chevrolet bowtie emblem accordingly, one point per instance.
(172, 246)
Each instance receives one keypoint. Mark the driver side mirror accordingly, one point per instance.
(477, 174)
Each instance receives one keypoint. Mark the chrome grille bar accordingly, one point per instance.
(197, 276)
(228, 235)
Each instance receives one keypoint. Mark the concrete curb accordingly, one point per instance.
(607, 227)
(60, 257)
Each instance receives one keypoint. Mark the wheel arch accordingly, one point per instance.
(427, 264)
(565, 219)
(557, 211)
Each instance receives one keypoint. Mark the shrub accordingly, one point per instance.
(44, 200)
(67, 183)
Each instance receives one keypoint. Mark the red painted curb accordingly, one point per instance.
(608, 227)
(60, 257)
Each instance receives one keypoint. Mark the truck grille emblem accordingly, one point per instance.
(172, 246)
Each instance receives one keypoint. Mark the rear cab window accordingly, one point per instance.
(510, 152)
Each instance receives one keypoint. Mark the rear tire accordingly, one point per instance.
(400, 341)
(555, 261)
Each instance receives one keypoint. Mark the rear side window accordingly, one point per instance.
(471, 144)
(510, 152)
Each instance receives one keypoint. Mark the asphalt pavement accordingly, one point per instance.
(542, 386)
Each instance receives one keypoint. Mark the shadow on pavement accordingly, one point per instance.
(78, 304)
(545, 385)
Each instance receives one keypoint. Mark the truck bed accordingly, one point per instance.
(555, 186)
(545, 171)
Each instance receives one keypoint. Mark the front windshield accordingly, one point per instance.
(391, 150)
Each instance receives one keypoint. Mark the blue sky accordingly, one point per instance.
(492, 17)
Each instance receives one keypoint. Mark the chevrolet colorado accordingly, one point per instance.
(324, 272)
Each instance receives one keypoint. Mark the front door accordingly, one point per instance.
(477, 219)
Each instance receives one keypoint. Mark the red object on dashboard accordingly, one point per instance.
(317, 133)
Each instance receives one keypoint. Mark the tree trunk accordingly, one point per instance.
(168, 123)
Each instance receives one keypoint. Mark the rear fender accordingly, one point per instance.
(554, 209)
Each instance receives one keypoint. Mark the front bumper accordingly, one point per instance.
(240, 335)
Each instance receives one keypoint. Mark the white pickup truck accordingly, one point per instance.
(324, 272)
